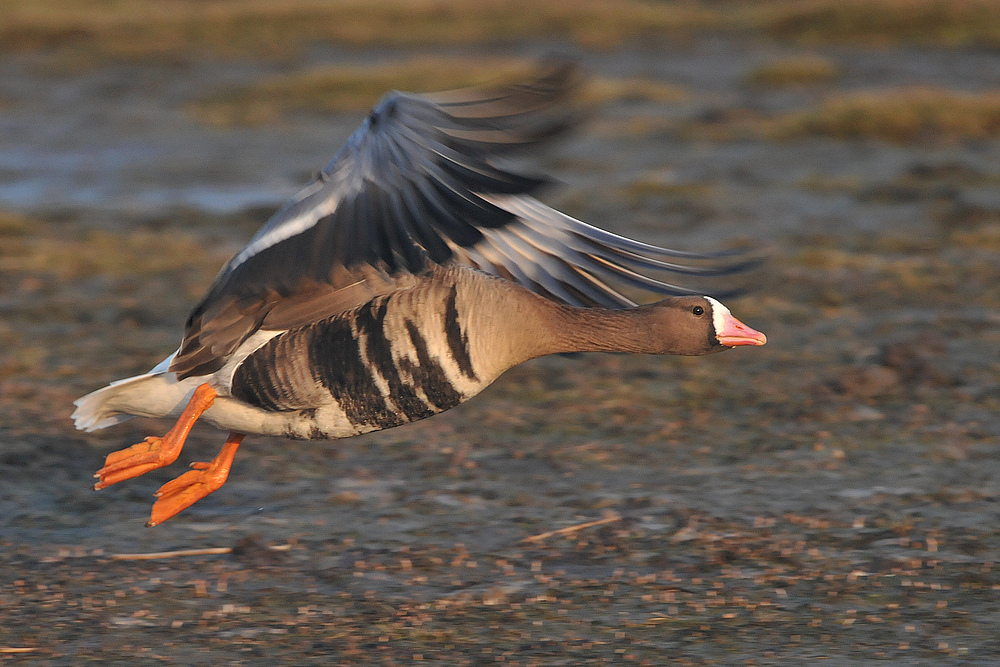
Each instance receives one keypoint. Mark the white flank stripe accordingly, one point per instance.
(223, 378)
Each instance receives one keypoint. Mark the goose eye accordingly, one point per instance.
(698, 310)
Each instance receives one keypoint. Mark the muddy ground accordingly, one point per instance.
(832, 495)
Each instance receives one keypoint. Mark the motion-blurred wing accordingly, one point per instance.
(420, 182)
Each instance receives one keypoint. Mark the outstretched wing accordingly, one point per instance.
(420, 182)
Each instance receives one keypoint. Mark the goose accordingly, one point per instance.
(413, 271)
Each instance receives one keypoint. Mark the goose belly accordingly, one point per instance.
(382, 365)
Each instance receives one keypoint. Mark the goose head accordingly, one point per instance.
(697, 325)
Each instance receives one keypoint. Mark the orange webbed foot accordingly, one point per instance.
(136, 460)
(179, 494)
(154, 452)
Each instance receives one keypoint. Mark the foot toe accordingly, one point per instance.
(179, 494)
(147, 447)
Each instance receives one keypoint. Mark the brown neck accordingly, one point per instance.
(509, 325)
(603, 330)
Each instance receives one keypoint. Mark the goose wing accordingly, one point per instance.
(422, 182)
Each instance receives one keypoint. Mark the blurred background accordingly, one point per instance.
(831, 495)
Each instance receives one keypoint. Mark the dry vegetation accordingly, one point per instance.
(986, 237)
(74, 254)
(902, 115)
(908, 115)
(346, 88)
(808, 69)
(261, 29)
(882, 22)
(96, 30)
(356, 88)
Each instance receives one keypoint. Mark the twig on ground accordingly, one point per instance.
(610, 518)
(210, 551)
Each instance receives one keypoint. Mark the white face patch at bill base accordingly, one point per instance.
(719, 313)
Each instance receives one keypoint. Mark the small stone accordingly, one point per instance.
(865, 413)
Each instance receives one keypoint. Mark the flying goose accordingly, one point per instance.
(414, 270)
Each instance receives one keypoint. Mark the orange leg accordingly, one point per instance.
(179, 494)
(153, 452)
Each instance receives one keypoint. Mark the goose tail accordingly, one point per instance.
(153, 394)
